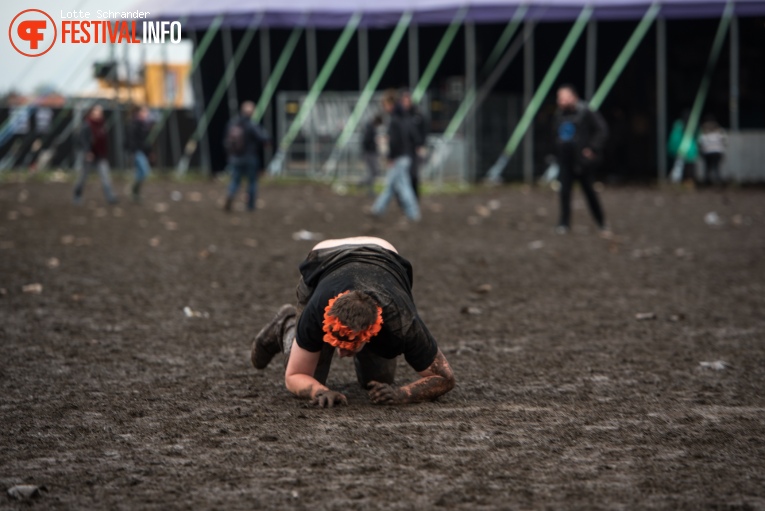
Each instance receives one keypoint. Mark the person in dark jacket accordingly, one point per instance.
(244, 142)
(398, 180)
(580, 136)
(93, 142)
(418, 124)
(369, 152)
(141, 148)
(354, 299)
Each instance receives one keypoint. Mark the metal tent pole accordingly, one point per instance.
(624, 56)
(528, 91)
(265, 71)
(471, 123)
(312, 63)
(473, 98)
(414, 56)
(228, 53)
(661, 98)
(438, 56)
(369, 90)
(201, 131)
(363, 40)
(310, 46)
(734, 74)
(505, 38)
(128, 76)
(116, 120)
(701, 95)
(175, 132)
(276, 74)
(196, 77)
(536, 101)
(591, 65)
(329, 66)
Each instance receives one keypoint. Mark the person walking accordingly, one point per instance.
(417, 123)
(141, 148)
(244, 142)
(93, 141)
(398, 180)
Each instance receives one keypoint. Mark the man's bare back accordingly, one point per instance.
(356, 240)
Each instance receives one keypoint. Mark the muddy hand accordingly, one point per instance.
(328, 399)
(384, 394)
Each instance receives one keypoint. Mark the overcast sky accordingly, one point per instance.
(69, 67)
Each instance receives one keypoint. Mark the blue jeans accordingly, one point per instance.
(84, 168)
(244, 167)
(399, 182)
(142, 167)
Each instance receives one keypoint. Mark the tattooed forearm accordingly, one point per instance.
(436, 380)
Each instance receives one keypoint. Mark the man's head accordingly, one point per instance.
(143, 113)
(351, 319)
(247, 109)
(96, 113)
(568, 97)
(389, 100)
(406, 100)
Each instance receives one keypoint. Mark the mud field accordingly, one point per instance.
(111, 397)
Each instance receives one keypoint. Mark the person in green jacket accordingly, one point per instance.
(688, 170)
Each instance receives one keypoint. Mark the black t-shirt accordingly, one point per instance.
(383, 275)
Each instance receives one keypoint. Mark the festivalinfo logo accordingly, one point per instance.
(33, 32)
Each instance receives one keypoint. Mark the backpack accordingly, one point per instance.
(235, 139)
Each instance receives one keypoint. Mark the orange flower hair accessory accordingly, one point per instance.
(340, 336)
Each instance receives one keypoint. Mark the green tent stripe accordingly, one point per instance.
(624, 57)
(228, 75)
(371, 85)
(701, 94)
(438, 55)
(276, 74)
(544, 88)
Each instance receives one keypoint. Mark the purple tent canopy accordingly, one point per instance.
(336, 13)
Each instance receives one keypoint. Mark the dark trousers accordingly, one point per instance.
(245, 167)
(568, 174)
(712, 164)
(414, 173)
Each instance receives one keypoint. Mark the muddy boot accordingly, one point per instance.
(268, 342)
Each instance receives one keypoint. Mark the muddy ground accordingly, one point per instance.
(112, 398)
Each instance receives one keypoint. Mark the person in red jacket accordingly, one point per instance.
(94, 146)
(354, 299)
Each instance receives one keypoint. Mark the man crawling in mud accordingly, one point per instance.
(354, 298)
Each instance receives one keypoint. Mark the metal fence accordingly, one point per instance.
(34, 141)
(744, 158)
(447, 160)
